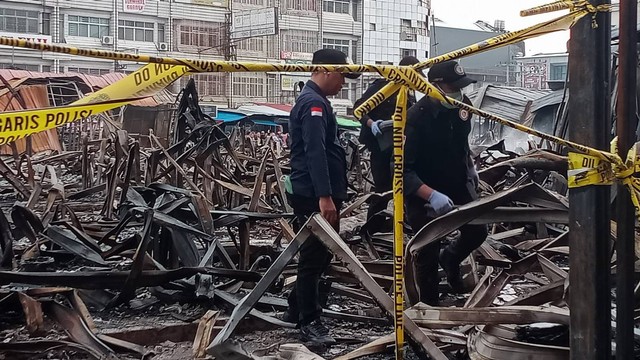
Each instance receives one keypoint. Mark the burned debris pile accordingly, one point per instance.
(135, 245)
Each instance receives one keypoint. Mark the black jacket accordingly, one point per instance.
(437, 148)
(383, 111)
(318, 161)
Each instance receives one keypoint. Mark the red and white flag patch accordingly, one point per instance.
(316, 111)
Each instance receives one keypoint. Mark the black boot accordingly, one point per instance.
(451, 267)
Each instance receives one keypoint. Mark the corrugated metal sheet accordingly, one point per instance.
(92, 81)
(34, 96)
(553, 98)
(504, 101)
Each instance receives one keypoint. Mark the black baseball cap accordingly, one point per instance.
(449, 72)
(333, 57)
(410, 60)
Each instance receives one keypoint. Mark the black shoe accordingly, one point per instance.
(316, 332)
(452, 269)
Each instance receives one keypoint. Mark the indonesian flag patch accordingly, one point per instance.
(316, 111)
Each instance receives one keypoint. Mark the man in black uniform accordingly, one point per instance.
(370, 129)
(318, 183)
(439, 173)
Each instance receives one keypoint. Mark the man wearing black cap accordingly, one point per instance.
(318, 183)
(370, 130)
(439, 173)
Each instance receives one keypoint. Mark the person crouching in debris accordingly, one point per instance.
(370, 132)
(318, 183)
(439, 173)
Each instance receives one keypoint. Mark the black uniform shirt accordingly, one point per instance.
(436, 147)
(383, 111)
(318, 161)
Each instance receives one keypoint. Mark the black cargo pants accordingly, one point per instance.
(313, 261)
(471, 237)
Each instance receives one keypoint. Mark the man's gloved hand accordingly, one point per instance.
(439, 203)
(375, 127)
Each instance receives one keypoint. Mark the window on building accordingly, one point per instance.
(86, 26)
(135, 30)
(251, 2)
(19, 21)
(251, 44)
(342, 45)
(305, 5)
(202, 34)
(422, 28)
(558, 72)
(372, 27)
(407, 52)
(160, 32)
(249, 86)
(46, 24)
(14, 66)
(214, 84)
(46, 68)
(407, 33)
(337, 6)
(88, 71)
(300, 41)
(346, 91)
(272, 90)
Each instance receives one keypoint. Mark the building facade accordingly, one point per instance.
(204, 29)
(495, 67)
(543, 71)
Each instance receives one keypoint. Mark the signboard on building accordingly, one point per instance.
(288, 82)
(535, 75)
(253, 23)
(133, 6)
(292, 57)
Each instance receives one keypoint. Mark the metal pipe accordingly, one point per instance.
(625, 129)
(590, 124)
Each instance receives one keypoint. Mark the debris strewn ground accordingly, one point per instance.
(130, 245)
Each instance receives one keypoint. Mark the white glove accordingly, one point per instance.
(440, 203)
(375, 127)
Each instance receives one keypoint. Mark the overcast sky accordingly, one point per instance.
(463, 13)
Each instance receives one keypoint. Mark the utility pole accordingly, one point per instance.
(590, 124)
(625, 129)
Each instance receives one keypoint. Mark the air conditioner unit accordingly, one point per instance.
(107, 40)
(163, 46)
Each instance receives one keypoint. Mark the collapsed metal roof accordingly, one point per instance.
(512, 103)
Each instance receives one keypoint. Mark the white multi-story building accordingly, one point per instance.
(369, 31)
(394, 29)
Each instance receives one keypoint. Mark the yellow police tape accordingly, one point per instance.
(146, 81)
(162, 71)
(399, 117)
(555, 6)
(585, 170)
